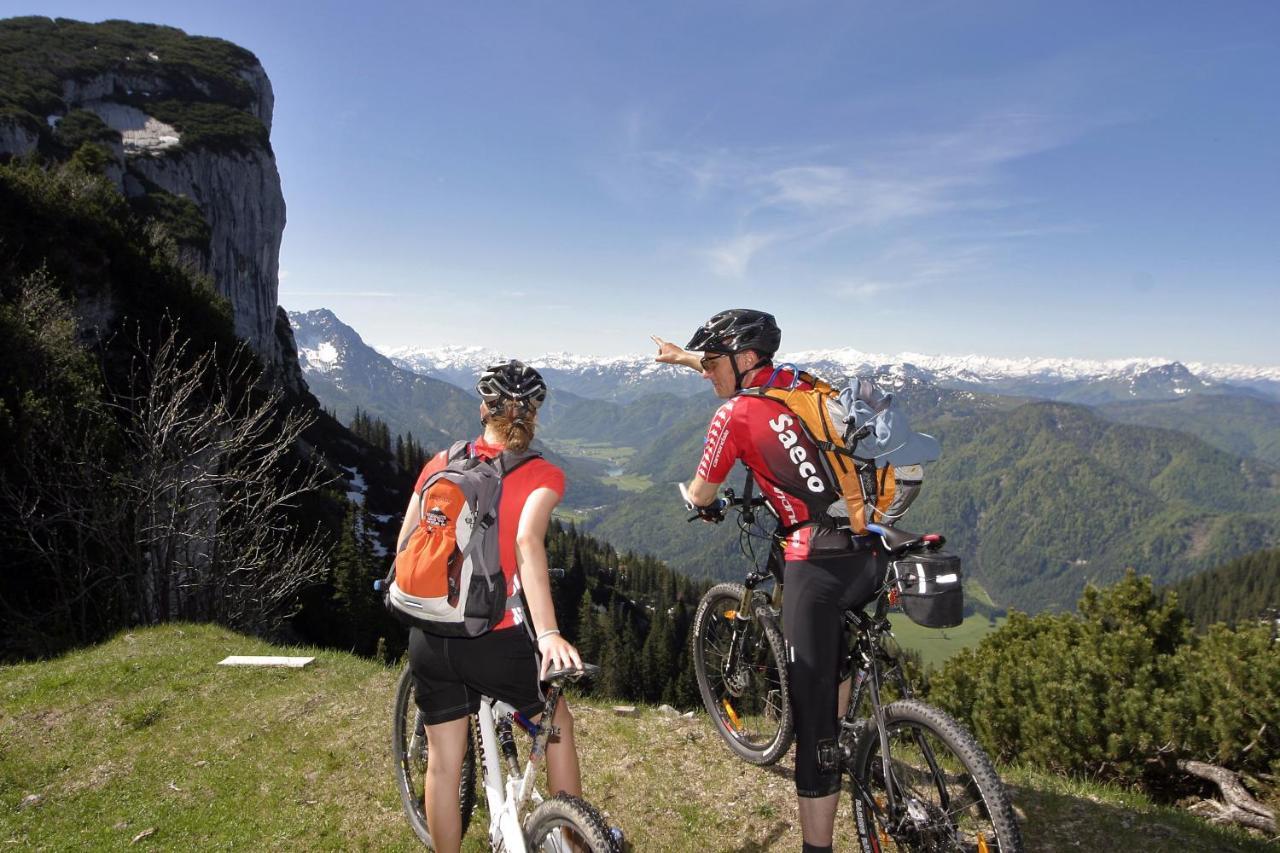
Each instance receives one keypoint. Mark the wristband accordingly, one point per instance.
(547, 633)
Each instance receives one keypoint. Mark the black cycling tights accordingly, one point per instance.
(817, 593)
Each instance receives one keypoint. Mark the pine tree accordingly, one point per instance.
(657, 655)
(353, 570)
(588, 637)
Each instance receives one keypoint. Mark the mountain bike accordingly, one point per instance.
(560, 824)
(918, 779)
(738, 652)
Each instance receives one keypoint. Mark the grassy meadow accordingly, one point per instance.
(143, 742)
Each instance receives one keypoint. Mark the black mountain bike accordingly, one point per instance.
(738, 653)
(918, 779)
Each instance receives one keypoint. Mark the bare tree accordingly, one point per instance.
(215, 476)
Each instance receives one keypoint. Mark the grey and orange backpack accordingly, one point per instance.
(447, 576)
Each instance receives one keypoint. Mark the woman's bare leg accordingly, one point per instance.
(446, 747)
(563, 772)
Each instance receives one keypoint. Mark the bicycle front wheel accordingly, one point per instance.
(565, 824)
(739, 660)
(409, 751)
(948, 796)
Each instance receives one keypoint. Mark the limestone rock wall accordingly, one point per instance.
(237, 189)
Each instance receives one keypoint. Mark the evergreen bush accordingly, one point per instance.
(1120, 690)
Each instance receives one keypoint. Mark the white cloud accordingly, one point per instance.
(821, 192)
(731, 259)
(861, 289)
(372, 294)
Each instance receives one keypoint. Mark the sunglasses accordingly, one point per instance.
(709, 361)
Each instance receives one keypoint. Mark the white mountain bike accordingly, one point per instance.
(560, 824)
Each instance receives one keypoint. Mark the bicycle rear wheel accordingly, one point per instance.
(949, 797)
(565, 824)
(739, 661)
(409, 751)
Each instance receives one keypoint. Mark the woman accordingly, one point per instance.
(450, 675)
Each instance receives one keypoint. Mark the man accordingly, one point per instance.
(826, 570)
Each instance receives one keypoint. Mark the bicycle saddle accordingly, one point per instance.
(900, 540)
(589, 670)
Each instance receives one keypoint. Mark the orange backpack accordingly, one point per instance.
(447, 577)
(867, 490)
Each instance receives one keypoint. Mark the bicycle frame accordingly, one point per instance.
(869, 632)
(507, 792)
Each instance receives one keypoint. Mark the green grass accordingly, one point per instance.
(629, 482)
(615, 456)
(936, 646)
(146, 737)
(598, 450)
(977, 592)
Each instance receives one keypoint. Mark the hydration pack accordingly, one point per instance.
(869, 450)
(447, 576)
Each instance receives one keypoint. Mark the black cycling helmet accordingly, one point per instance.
(512, 380)
(736, 330)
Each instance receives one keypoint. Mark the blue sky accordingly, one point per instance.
(1004, 178)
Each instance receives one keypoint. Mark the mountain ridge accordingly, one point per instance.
(1129, 378)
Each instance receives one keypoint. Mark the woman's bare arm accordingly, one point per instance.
(531, 562)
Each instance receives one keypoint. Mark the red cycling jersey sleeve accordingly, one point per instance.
(719, 451)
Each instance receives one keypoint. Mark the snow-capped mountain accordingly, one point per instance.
(346, 374)
(621, 378)
(1076, 380)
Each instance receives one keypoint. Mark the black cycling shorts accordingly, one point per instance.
(818, 592)
(451, 674)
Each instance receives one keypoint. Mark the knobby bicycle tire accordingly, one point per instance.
(951, 797)
(564, 819)
(746, 697)
(409, 751)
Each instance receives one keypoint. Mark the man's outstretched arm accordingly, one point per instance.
(669, 353)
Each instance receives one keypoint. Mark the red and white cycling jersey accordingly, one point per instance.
(785, 462)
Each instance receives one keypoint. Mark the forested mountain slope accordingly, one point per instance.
(160, 455)
(345, 374)
(1240, 424)
(1038, 500)
(1050, 496)
(1244, 590)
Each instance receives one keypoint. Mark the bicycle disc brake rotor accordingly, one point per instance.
(736, 680)
(734, 670)
(925, 827)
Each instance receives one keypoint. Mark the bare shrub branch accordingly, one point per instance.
(214, 481)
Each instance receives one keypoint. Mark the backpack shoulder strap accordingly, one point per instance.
(508, 462)
(458, 450)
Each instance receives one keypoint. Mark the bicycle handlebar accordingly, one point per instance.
(714, 512)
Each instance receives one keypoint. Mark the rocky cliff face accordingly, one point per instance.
(239, 195)
(232, 179)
